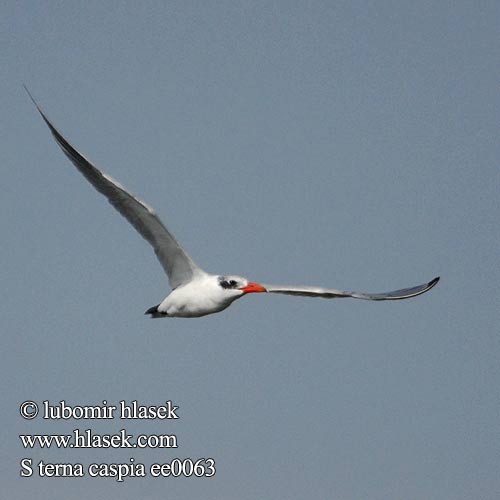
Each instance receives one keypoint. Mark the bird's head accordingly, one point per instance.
(238, 286)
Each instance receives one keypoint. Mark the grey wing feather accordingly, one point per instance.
(330, 293)
(178, 265)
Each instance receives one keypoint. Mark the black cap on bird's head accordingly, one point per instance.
(238, 283)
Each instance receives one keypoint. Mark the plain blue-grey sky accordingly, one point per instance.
(345, 144)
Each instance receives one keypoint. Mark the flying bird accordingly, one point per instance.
(194, 292)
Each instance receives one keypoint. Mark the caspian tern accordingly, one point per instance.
(194, 292)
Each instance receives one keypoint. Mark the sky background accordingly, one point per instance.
(345, 144)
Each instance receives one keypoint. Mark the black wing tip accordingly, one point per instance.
(434, 282)
(67, 148)
(27, 90)
(155, 313)
(31, 97)
(152, 310)
(45, 119)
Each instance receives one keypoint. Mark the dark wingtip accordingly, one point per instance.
(45, 119)
(155, 313)
(152, 310)
(31, 97)
(434, 281)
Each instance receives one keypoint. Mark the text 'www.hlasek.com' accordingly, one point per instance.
(86, 438)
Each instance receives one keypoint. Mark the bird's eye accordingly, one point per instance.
(224, 284)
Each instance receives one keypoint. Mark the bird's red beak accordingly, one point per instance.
(253, 288)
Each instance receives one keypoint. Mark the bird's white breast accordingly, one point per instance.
(196, 298)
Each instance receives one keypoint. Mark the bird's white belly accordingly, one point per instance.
(191, 302)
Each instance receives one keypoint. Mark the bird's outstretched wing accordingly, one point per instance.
(329, 293)
(178, 265)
